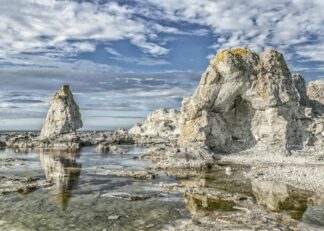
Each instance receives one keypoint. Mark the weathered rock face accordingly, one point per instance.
(159, 124)
(247, 100)
(315, 90)
(63, 115)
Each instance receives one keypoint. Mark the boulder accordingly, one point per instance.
(63, 115)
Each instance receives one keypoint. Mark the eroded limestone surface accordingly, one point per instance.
(247, 100)
(63, 115)
(315, 90)
(160, 124)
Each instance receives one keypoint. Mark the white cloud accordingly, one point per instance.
(284, 24)
(113, 51)
(40, 25)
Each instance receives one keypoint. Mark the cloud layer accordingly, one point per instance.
(68, 27)
(134, 55)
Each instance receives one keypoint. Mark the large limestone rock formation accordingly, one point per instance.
(63, 115)
(247, 100)
(160, 123)
(315, 90)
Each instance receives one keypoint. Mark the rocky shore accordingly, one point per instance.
(248, 109)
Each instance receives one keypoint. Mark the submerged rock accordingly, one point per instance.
(63, 115)
(140, 175)
(246, 100)
(160, 124)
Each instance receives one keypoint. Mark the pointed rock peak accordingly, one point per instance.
(63, 115)
(65, 90)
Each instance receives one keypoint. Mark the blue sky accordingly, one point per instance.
(126, 58)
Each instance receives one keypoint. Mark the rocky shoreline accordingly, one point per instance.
(248, 109)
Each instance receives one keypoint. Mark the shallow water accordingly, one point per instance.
(82, 198)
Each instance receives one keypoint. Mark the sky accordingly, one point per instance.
(125, 58)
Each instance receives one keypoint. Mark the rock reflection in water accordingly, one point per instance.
(282, 197)
(201, 202)
(62, 169)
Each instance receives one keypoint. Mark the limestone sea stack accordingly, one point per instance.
(248, 100)
(63, 115)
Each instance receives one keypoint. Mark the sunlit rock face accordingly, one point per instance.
(315, 90)
(160, 123)
(63, 115)
(247, 100)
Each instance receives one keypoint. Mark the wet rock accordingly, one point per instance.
(22, 185)
(131, 196)
(63, 115)
(62, 142)
(140, 175)
(183, 158)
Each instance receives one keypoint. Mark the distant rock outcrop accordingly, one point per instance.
(63, 115)
(160, 123)
(246, 100)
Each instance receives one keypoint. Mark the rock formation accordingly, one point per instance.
(315, 90)
(159, 124)
(63, 115)
(247, 100)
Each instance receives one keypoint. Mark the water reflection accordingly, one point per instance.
(62, 169)
(300, 204)
(223, 189)
(201, 202)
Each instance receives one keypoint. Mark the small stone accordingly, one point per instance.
(113, 217)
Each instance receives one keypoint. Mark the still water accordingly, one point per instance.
(82, 198)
